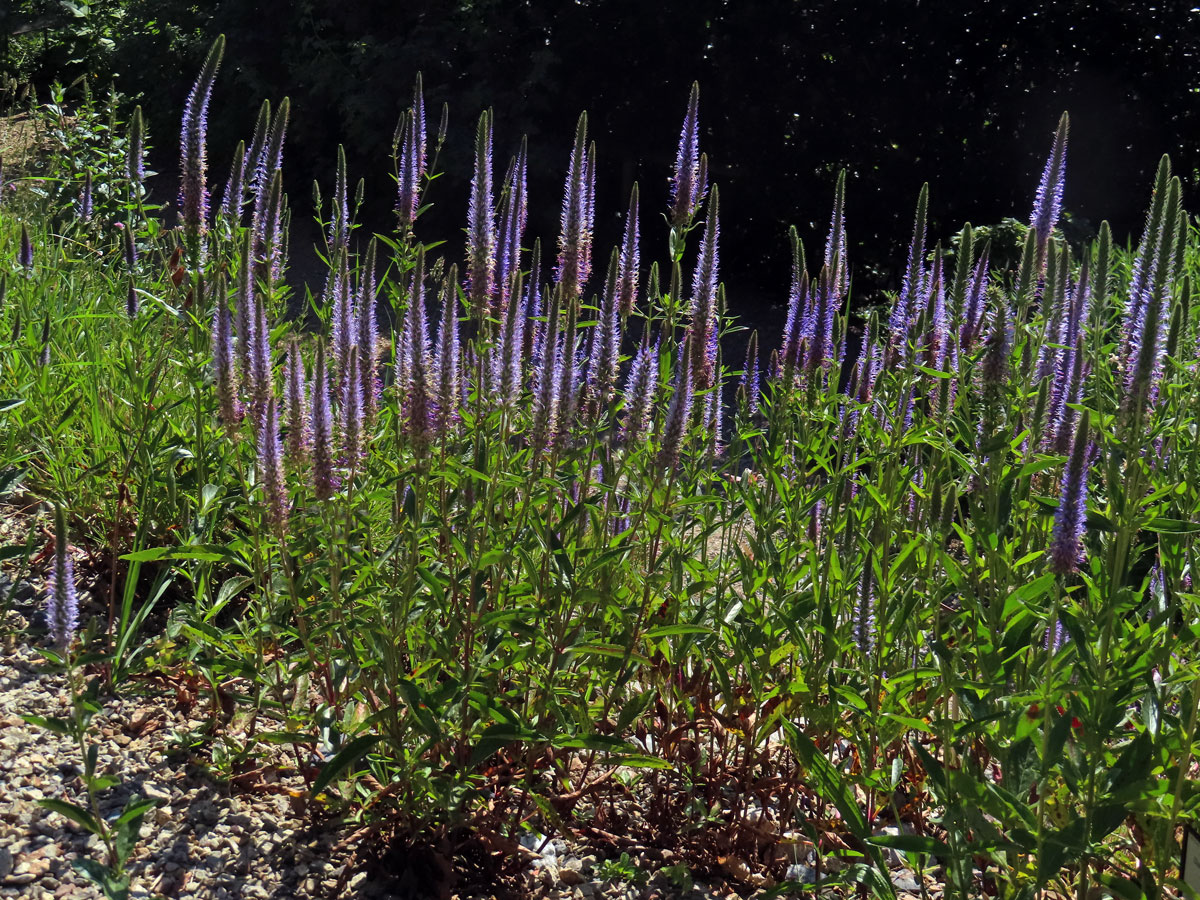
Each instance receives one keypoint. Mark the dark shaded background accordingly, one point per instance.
(962, 95)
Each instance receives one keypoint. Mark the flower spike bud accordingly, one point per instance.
(481, 224)
(1048, 204)
(193, 190)
(324, 481)
(25, 257)
(568, 374)
(1027, 273)
(1144, 262)
(245, 308)
(62, 601)
(295, 405)
(135, 153)
(533, 331)
(628, 275)
(1070, 519)
(686, 182)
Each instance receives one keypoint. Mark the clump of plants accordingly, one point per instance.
(505, 542)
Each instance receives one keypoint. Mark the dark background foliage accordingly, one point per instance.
(964, 96)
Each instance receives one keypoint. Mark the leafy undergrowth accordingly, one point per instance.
(498, 546)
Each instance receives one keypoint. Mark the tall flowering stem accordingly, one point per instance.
(224, 370)
(1066, 539)
(270, 469)
(703, 328)
(324, 480)
(687, 189)
(449, 387)
(411, 167)
(481, 224)
(1047, 206)
(575, 232)
(193, 184)
(627, 277)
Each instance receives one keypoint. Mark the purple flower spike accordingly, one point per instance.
(998, 347)
(352, 416)
(703, 327)
(913, 285)
(135, 153)
(193, 187)
(26, 253)
(606, 340)
(793, 330)
(295, 405)
(223, 362)
(512, 228)
(835, 245)
(864, 620)
(245, 310)
(85, 198)
(270, 469)
(549, 378)
(368, 336)
(640, 390)
(1066, 539)
(686, 185)
(481, 225)
(679, 413)
(324, 481)
(750, 375)
(418, 399)
(973, 313)
(627, 278)
(575, 227)
(412, 160)
(342, 318)
(261, 380)
(449, 390)
(62, 603)
(235, 186)
(1048, 204)
(132, 303)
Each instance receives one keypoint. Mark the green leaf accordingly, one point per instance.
(342, 760)
(58, 726)
(911, 843)
(76, 814)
